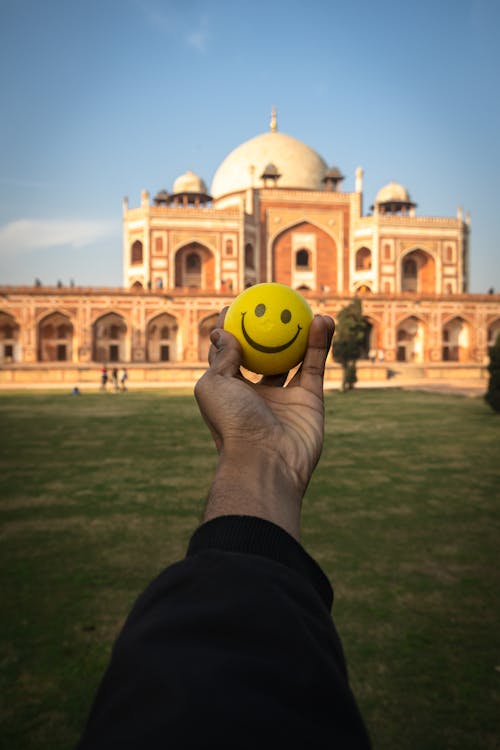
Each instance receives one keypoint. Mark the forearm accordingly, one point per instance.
(257, 485)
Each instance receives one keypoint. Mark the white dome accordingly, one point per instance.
(393, 193)
(299, 165)
(189, 183)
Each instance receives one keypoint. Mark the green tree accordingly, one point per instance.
(350, 332)
(492, 395)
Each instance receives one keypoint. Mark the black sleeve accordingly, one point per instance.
(233, 647)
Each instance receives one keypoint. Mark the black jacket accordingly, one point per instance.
(233, 647)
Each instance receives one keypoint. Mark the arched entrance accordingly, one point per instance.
(9, 339)
(161, 336)
(109, 339)
(418, 272)
(55, 338)
(456, 341)
(363, 260)
(410, 340)
(194, 267)
(305, 255)
(206, 327)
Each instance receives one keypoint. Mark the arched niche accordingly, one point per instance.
(109, 338)
(161, 337)
(455, 338)
(194, 267)
(410, 340)
(55, 338)
(418, 272)
(363, 259)
(9, 339)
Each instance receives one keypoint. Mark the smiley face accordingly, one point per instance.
(271, 322)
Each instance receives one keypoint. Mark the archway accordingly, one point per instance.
(456, 341)
(9, 338)
(418, 272)
(363, 260)
(55, 338)
(161, 336)
(194, 267)
(109, 339)
(305, 255)
(410, 340)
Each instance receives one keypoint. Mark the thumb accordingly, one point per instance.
(225, 355)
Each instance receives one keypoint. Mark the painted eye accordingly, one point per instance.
(260, 310)
(286, 316)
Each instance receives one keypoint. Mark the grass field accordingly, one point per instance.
(101, 491)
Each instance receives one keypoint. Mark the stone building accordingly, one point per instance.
(275, 212)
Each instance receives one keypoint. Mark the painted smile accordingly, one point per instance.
(261, 347)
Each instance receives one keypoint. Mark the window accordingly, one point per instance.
(363, 259)
(165, 332)
(61, 332)
(136, 253)
(229, 247)
(302, 259)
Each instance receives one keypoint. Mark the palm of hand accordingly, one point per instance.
(268, 419)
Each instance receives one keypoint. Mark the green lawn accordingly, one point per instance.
(101, 491)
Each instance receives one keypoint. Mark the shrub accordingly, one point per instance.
(492, 395)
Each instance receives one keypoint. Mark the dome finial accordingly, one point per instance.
(274, 121)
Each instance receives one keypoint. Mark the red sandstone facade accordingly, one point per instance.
(187, 254)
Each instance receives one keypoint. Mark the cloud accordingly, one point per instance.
(199, 36)
(25, 235)
(198, 39)
(176, 22)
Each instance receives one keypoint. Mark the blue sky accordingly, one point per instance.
(103, 98)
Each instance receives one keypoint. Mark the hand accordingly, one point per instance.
(269, 437)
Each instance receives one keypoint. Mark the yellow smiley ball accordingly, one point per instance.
(271, 322)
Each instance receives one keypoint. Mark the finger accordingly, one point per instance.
(319, 341)
(219, 324)
(225, 355)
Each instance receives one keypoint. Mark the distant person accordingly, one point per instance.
(75, 391)
(114, 378)
(234, 646)
(104, 378)
(123, 379)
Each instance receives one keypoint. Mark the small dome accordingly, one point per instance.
(333, 174)
(270, 171)
(299, 165)
(189, 183)
(393, 193)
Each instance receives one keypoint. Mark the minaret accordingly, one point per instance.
(274, 121)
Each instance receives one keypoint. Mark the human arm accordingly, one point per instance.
(269, 437)
(234, 646)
